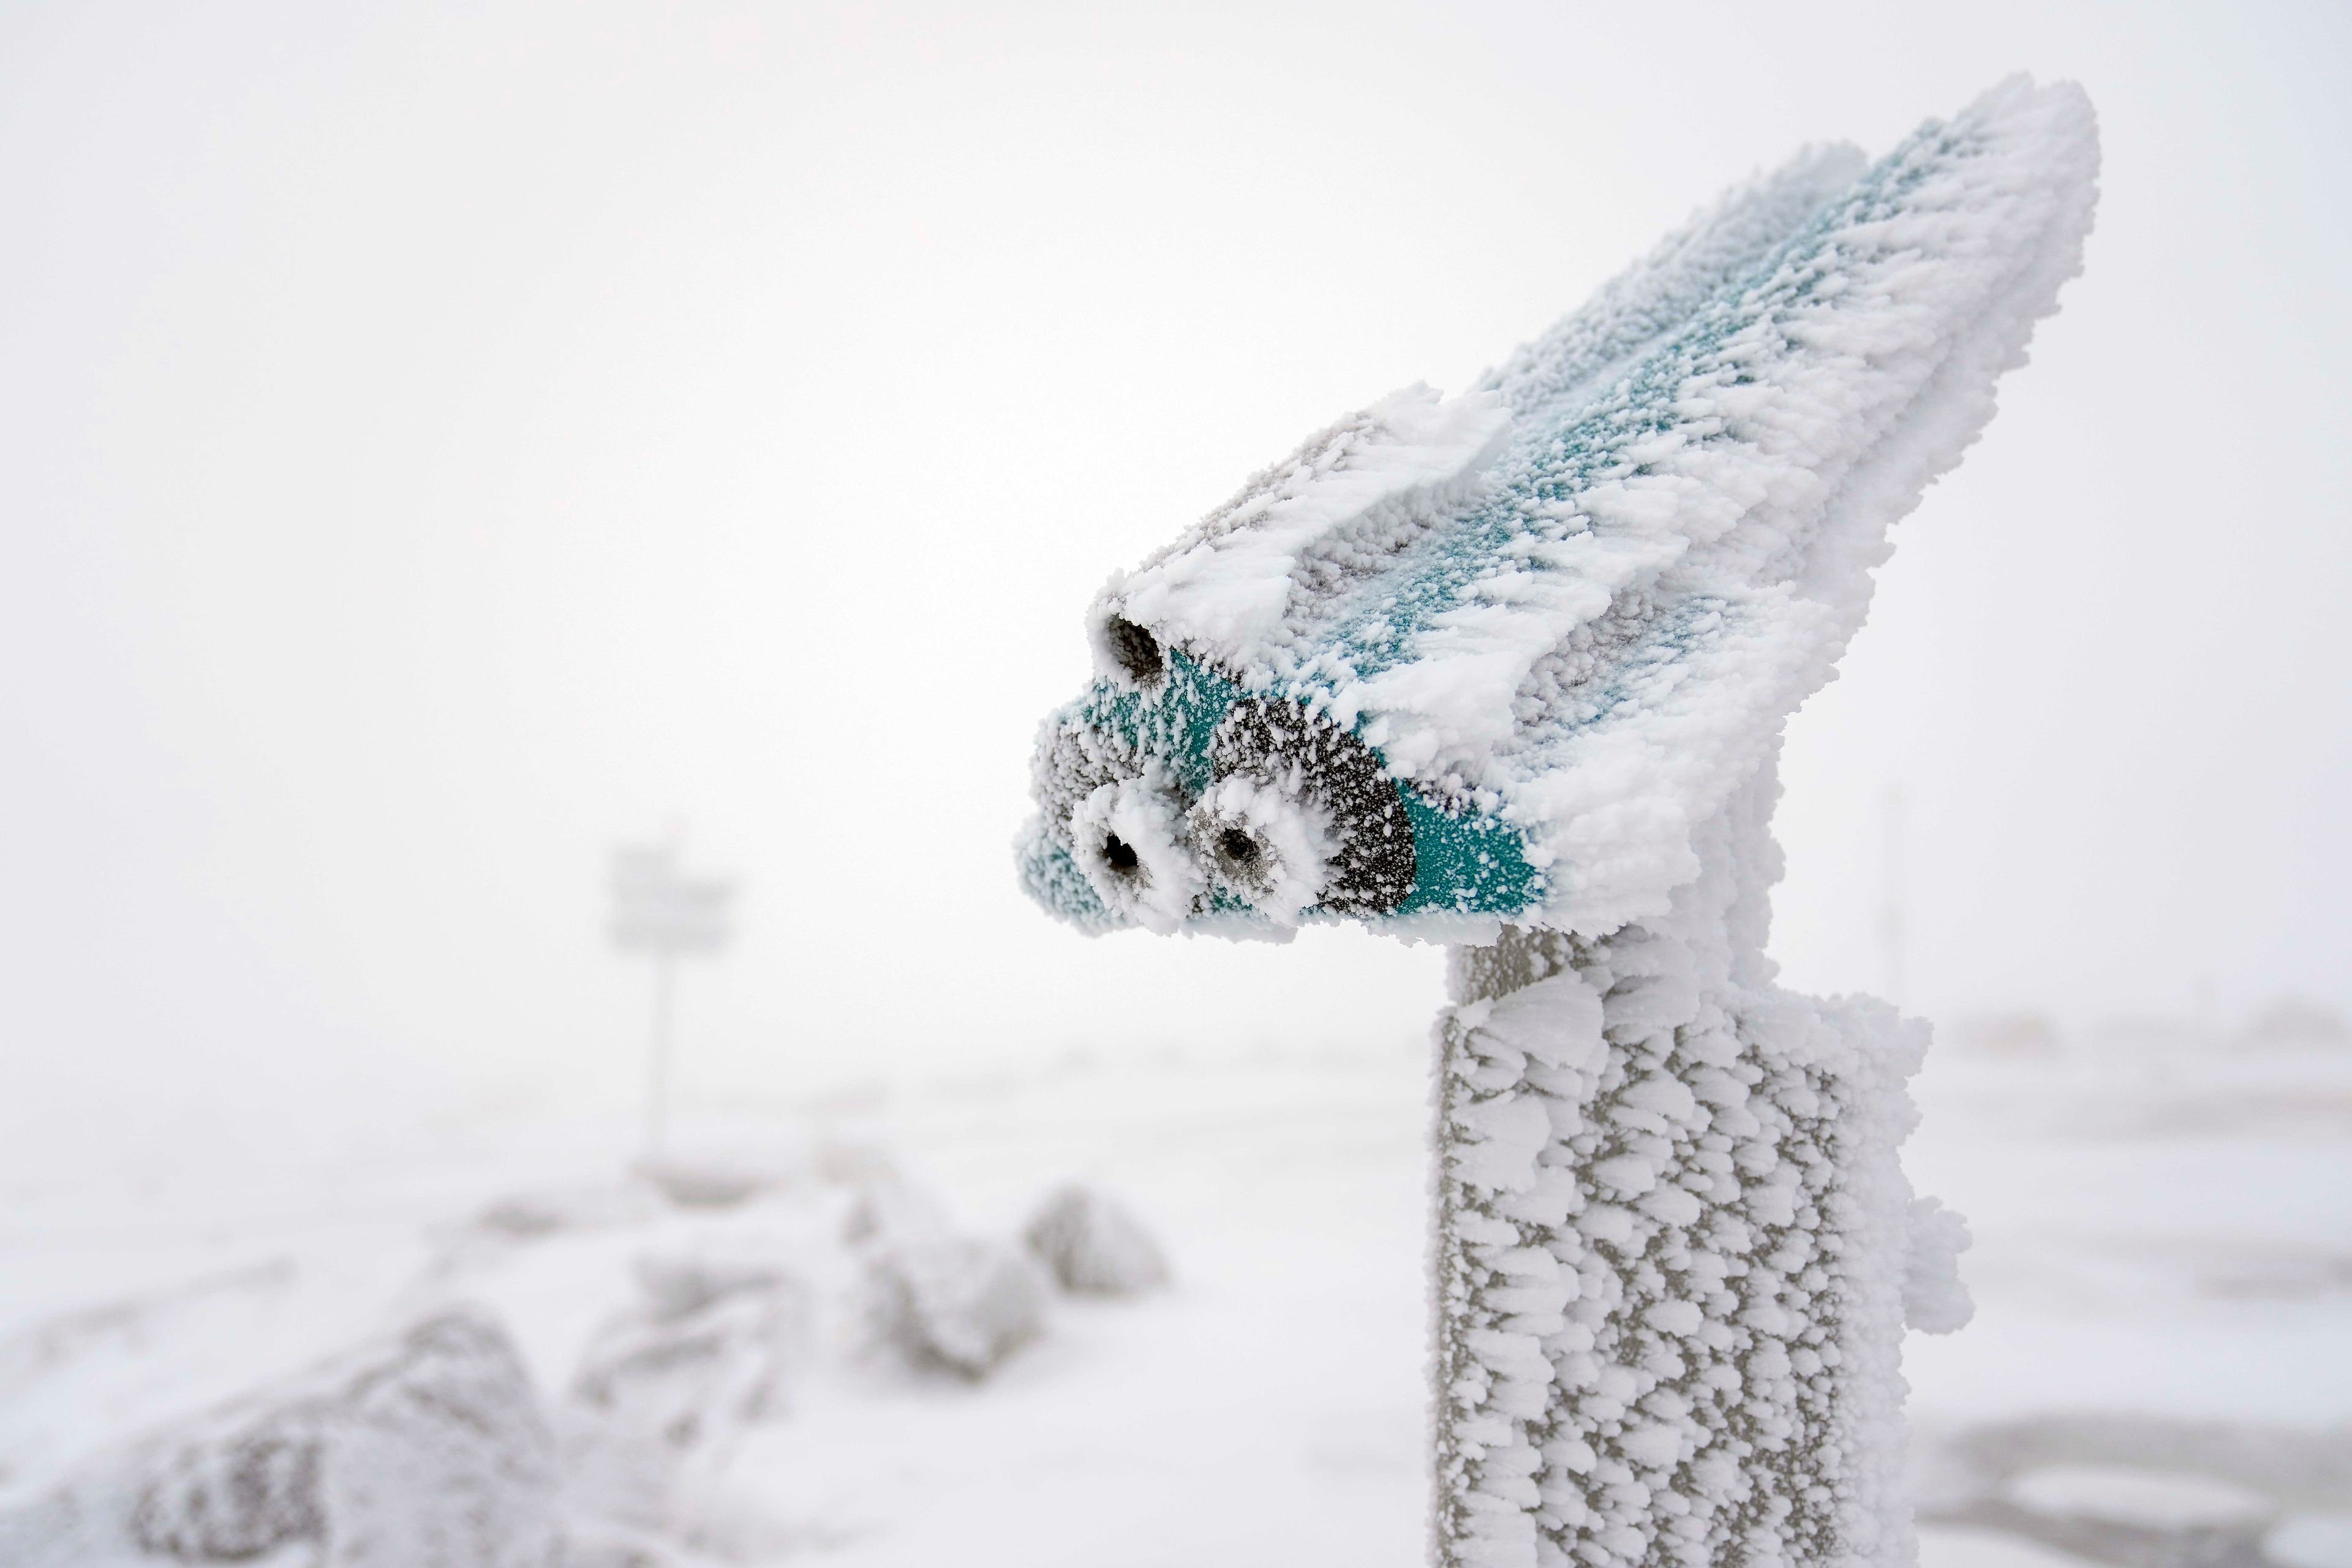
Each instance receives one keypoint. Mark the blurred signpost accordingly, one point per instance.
(1890, 905)
(659, 909)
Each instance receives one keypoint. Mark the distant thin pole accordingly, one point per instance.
(657, 1065)
(1890, 913)
(659, 911)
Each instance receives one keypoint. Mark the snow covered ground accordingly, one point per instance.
(2161, 1368)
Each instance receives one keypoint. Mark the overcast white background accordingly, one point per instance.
(438, 442)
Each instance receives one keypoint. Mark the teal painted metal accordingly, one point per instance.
(1464, 862)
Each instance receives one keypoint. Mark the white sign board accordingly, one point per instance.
(656, 907)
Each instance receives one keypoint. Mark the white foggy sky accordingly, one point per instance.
(438, 441)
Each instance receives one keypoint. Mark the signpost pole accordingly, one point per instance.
(659, 911)
(657, 1062)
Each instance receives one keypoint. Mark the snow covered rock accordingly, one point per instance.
(953, 1301)
(710, 1350)
(431, 1448)
(887, 1206)
(1092, 1246)
(427, 1448)
(707, 1183)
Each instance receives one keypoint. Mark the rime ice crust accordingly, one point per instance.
(1513, 669)
(1673, 1246)
(1567, 613)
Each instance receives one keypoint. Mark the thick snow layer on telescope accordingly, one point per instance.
(1408, 461)
(1576, 604)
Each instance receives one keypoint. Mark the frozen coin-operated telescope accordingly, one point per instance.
(1509, 671)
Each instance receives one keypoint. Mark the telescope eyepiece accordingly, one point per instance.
(1119, 854)
(1137, 651)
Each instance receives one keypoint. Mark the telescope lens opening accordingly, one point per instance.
(1137, 650)
(1119, 854)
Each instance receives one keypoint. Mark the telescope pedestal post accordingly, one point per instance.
(1670, 1247)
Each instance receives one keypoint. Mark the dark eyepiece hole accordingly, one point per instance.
(1118, 854)
(1238, 846)
(1137, 650)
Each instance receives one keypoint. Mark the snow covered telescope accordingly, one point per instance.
(1510, 669)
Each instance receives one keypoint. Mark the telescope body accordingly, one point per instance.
(1462, 662)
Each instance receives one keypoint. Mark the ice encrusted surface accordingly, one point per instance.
(425, 1447)
(1580, 600)
(1673, 1246)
